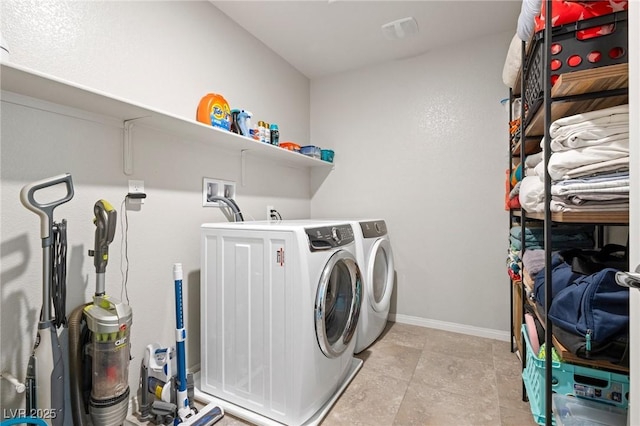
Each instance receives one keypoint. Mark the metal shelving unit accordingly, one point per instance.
(573, 93)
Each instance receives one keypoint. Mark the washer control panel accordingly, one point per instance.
(374, 228)
(327, 237)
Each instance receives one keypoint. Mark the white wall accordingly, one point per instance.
(430, 128)
(166, 55)
(163, 54)
(422, 143)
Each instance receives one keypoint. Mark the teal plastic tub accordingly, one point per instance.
(327, 155)
(570, 379)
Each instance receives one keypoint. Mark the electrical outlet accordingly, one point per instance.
(136, 187)
(269, 208)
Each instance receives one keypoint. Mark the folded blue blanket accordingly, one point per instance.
(582, 240)
(557, 233)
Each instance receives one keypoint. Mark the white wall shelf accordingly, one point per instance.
(42, 87)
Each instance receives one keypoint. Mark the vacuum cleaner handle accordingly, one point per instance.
(45, 210)
(105, 221)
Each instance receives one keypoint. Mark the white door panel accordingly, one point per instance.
(634, 213)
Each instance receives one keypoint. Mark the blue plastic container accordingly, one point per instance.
(327, 155)
(311, 151)
(570, 379)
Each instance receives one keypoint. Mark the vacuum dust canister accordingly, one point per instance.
(110, 324)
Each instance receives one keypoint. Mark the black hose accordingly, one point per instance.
(75, 365)
(59, 273)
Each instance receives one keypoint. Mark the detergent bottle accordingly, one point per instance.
(214, 111)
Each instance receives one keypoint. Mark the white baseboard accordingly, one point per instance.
(451, 326)
(195, 368)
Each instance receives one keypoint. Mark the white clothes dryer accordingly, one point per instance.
(280, 303)
(375, 257)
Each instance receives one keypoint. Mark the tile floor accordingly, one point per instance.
(421, 376)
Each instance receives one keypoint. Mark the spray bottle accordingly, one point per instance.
(244, 122)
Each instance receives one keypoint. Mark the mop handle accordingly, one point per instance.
(45, 210)
(181, 336)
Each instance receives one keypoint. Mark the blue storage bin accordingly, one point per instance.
(569, 379)
(327, 155)
(311, 151)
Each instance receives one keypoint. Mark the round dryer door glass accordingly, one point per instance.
(337, 306)
(380, 275)
(380, 271)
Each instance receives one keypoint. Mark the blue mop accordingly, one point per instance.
(209, 414)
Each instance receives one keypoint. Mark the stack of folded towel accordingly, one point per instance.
(588, 166)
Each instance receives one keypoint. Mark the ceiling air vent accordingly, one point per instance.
(400, 28)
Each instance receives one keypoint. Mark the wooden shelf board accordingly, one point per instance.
(565, 109)
(573, 359)
(531, 146)
(581, 82)
(603, 217)
(593, 80)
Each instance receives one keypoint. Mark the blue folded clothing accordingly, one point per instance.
(561, 237)
(581, 241)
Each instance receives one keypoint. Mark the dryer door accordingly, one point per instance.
(380, 275)
(337, 307)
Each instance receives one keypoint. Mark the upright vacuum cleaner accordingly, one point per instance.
(99, 343)
(45, 370)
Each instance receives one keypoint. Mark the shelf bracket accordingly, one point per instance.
(242, 166)
(127, 144)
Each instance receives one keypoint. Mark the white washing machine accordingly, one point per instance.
(375, 257)
(280, 303)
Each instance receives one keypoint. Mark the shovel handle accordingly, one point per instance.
(45, 210)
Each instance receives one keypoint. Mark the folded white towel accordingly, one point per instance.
(561, 162)
(570, 132)
(618, 164)
(563, 191)
(589, 136)
(559, 206)
(533, 160)
(532, 194)
(613, 112)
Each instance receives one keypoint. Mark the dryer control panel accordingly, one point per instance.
(327, 237)
(374, 228)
